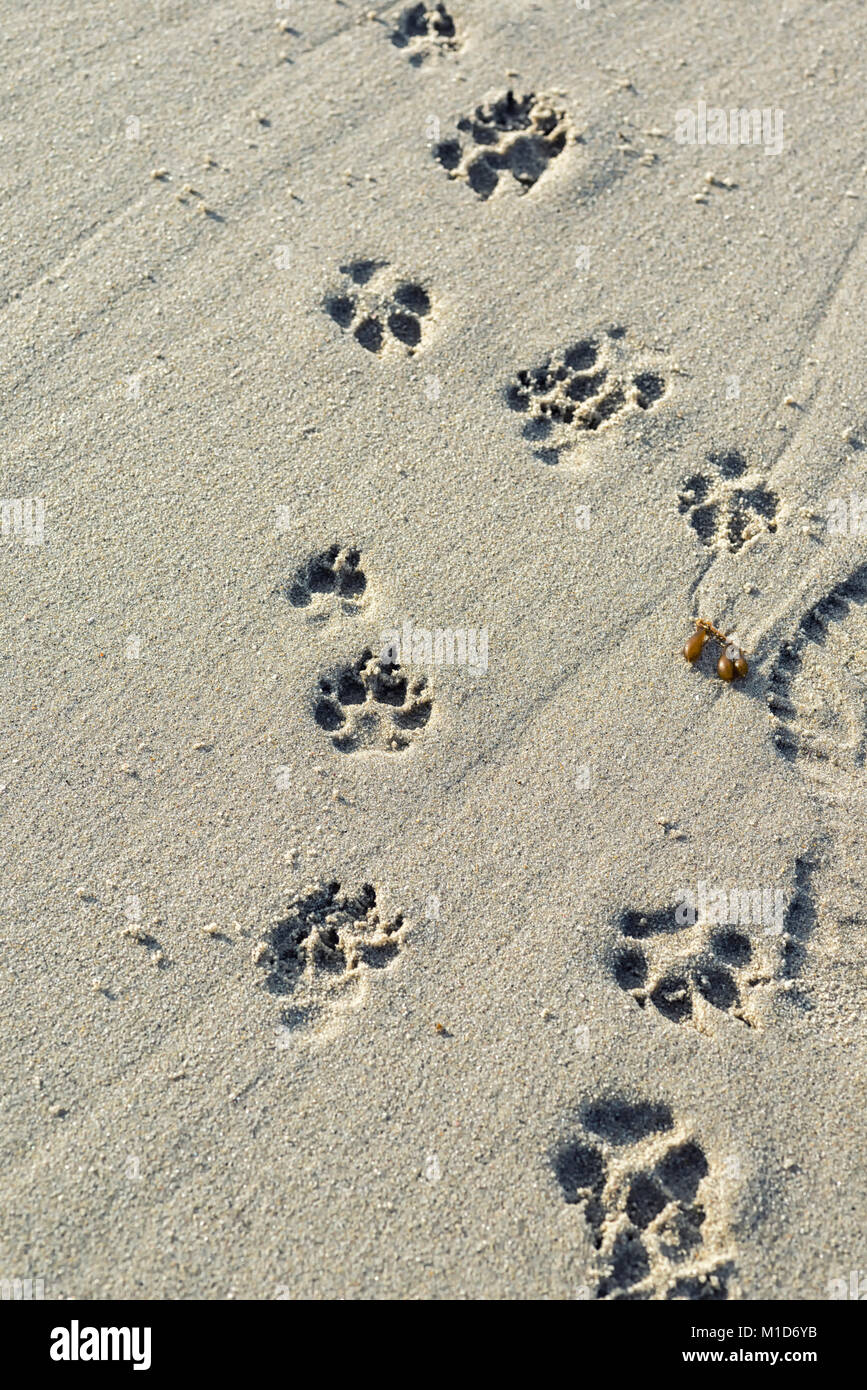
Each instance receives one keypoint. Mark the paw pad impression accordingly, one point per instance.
(646, 1190)
(424, 30)
(728, 503)
(324, 942)
(586, 386)
(378, 309)
(335, 572)
(510, 138)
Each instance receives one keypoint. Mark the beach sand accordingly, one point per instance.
(375, 988)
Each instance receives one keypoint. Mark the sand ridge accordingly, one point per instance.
(359, 976)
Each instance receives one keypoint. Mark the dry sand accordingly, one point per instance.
(514, 1075)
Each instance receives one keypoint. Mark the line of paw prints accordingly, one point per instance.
(580, 388)
(424, 30)
(335, 572)
(644, 1194)
(380, 315)
(719, 972)
(322, 942)
(729, 503)
(517, 136)
(372, 704)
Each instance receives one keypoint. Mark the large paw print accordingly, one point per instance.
(334, 573)
(729, 503)
(585, 387)
(644, 1190)
(372, 704)
(379, 312)
(424, 30)
(688, 970)
(517, 136)
(324, 942)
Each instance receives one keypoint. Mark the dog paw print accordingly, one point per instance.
(729, 503)
(689, 972)
(585, 387)
(424, 30)
(509, 136)
(378, 310)
(331, 575)
(372, 704)
(323, 944)
(645, 1189)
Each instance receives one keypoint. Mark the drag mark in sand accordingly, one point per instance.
(818, 695)
(817, 699)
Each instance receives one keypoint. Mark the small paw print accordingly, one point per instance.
(729, 503)
(372, 704)
(644, 1189)
(584, 387)
(334, 573)
(378, 312)
(322, 943)
(423, 30)
(679, 970)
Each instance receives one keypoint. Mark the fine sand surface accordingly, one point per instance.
(291, 359)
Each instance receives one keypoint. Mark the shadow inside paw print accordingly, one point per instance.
(517, 136)
(729, 503)
(717, 966)
(643, 1191)
(817, 700)
(323, 940)
(337, 572)
(380, 313)
(424, 30)
(372, 704)
(801, 920)
(582, 388)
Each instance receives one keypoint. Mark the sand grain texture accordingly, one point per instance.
(290, 371)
